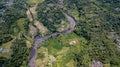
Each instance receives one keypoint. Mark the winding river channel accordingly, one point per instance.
(38, 40)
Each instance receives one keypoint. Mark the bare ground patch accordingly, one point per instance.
(41, 27)
(33, 30)
(73, 41)
(29, 15)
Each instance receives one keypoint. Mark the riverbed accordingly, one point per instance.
(38, 40)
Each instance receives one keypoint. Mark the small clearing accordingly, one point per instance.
(73, 41)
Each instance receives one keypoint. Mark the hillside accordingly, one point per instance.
(60, 33)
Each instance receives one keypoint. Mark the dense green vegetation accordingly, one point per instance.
(11, 15)
(20, 54)
(96, 19)
(49, 14)
(61, 49)
(5, 39)
(15, 25)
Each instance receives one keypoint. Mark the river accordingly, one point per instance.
(38, 40)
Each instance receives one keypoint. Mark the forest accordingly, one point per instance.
(96, 32)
